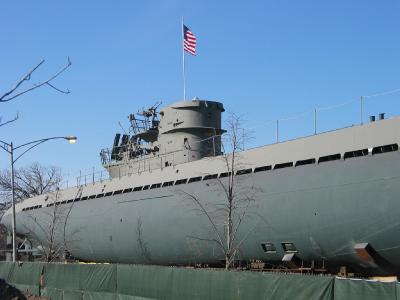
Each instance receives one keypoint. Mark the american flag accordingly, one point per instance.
(189, 41)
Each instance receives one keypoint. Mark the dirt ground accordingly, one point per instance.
(8, 292)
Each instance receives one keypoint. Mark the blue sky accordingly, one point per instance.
(263, 59)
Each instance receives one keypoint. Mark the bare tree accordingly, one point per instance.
(43, 235)
(18, 89)
(226, 217)
(49, 232)
(29, 182)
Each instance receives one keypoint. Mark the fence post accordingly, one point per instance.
(277, 131)
(243, 139)
(361, 110)
(80, 178)
(315, 120)
(214, 144)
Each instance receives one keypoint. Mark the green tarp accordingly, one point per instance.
(398, 291)
(26, 277)
(363, 289)
(6, 270)
(292, 286)
(179, 283)
(82, 281)
(136, 282)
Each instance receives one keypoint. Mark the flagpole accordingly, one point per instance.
(183, 63)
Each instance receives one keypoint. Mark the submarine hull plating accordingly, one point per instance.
(323, 210)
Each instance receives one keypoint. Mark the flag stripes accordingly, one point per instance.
(189, 41)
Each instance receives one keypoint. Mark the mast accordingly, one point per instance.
(183, 62)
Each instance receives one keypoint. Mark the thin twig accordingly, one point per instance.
(9, 121)
(215, 229)
(12, 94)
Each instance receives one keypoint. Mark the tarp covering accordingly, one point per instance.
(136, 282)
(26, 277)
(298, 286)
(179, 283)
(82, 281)
(398, 291)
(363, 289)
(6, 270)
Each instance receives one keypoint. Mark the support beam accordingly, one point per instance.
(291, 261)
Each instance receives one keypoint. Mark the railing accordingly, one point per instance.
(322, 119)
(357, 108)
(85, 179)
(143, 163)
(211, 148)
(106, 154)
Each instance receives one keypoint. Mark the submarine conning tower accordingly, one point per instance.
(191, 125)
(182, 132)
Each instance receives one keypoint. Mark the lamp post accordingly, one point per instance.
(10, 148)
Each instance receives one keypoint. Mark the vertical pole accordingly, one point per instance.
(214, 143)
(315, 120)
(183, 63)
(243, 138)
(93, 175)
(361, 110)
(14, 246)
(277, 131)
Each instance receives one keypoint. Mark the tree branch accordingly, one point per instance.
(9, 121)
(214, 227)
(27, 77)
(205, 240)
(12, 94)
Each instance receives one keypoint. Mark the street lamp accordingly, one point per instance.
(10, 148)
(71, 139)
